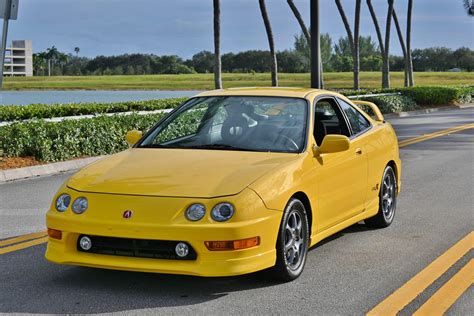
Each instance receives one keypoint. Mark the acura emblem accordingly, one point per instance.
(127, 214)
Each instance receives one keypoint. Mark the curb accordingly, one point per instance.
(429, 110)
(46, 169)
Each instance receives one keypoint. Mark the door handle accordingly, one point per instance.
(358, 151)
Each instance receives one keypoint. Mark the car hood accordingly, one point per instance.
(176, 172)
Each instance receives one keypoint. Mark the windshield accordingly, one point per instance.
(275, 124)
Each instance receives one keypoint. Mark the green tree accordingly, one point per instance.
(39, 63)
(203, 62)
(77, 50)
(302, 46)
(464, 58)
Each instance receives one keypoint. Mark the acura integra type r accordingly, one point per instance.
(231, 182)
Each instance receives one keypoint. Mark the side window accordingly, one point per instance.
(358, 122)
(328, 120)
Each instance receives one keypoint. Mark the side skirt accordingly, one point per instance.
(336, 228)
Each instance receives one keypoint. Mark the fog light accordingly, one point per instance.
(85, 243)
(182, 250)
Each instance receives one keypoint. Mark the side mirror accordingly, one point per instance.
(133, 137)
(332, 144)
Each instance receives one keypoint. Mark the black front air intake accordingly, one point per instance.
(141, 248)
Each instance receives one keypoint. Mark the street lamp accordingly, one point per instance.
(8, 11)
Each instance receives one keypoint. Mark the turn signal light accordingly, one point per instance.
(232, 244)
(56, 234)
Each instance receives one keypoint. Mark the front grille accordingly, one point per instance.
(142, 248)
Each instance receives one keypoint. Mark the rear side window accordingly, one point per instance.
(358, 122)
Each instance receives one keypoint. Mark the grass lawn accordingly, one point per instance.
(205, 81)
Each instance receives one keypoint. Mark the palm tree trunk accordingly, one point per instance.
(356, 52)
(409, 61)
(305, 31)
(49, 67)
(300, 20)
(377, 26)
(271, 42)
(402, 44)
(386, 61)
(217, 45)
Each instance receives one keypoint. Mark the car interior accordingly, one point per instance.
(328, 120)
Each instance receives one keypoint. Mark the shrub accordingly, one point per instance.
(393, 103)
(440, 95)
(427, 95)
(24, 112)
(51, 141)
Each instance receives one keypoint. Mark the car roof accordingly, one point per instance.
(265, 91)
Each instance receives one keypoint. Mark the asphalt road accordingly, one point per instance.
(349, 273)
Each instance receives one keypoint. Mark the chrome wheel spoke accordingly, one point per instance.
(295, 243)
(388, 195)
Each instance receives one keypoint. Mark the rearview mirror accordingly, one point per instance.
(332, 144)
(133, 137)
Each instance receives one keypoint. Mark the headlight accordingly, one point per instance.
(80, 205)
(195, 212)
(222, 212)
(62, 202)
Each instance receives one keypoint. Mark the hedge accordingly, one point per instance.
(393, 103)
(439, 95)
(51, 141)
(24, 112)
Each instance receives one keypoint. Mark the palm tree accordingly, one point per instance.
(377, 27)
(217, 45)
(469, 6)
(409, 61)
(385, 57)
(386, 63)
(300, 20)
(271, 42)
(402, 44)
(39, 63)
(51, 55)
(305, 31)
(77, 50)
(353, 39)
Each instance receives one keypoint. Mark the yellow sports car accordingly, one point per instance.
(231, 182)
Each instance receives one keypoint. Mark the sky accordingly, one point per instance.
(185, 27)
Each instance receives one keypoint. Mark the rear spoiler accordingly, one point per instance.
(373, 107)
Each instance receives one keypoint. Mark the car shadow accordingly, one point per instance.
(43, 287)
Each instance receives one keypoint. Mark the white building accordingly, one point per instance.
(19, 59)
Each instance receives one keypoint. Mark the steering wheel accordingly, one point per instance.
(291, 144)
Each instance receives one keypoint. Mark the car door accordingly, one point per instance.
(342, 176)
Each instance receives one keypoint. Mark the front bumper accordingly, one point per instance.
(104, 218)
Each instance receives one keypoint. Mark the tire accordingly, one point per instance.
(292, 243)
(387, 201)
